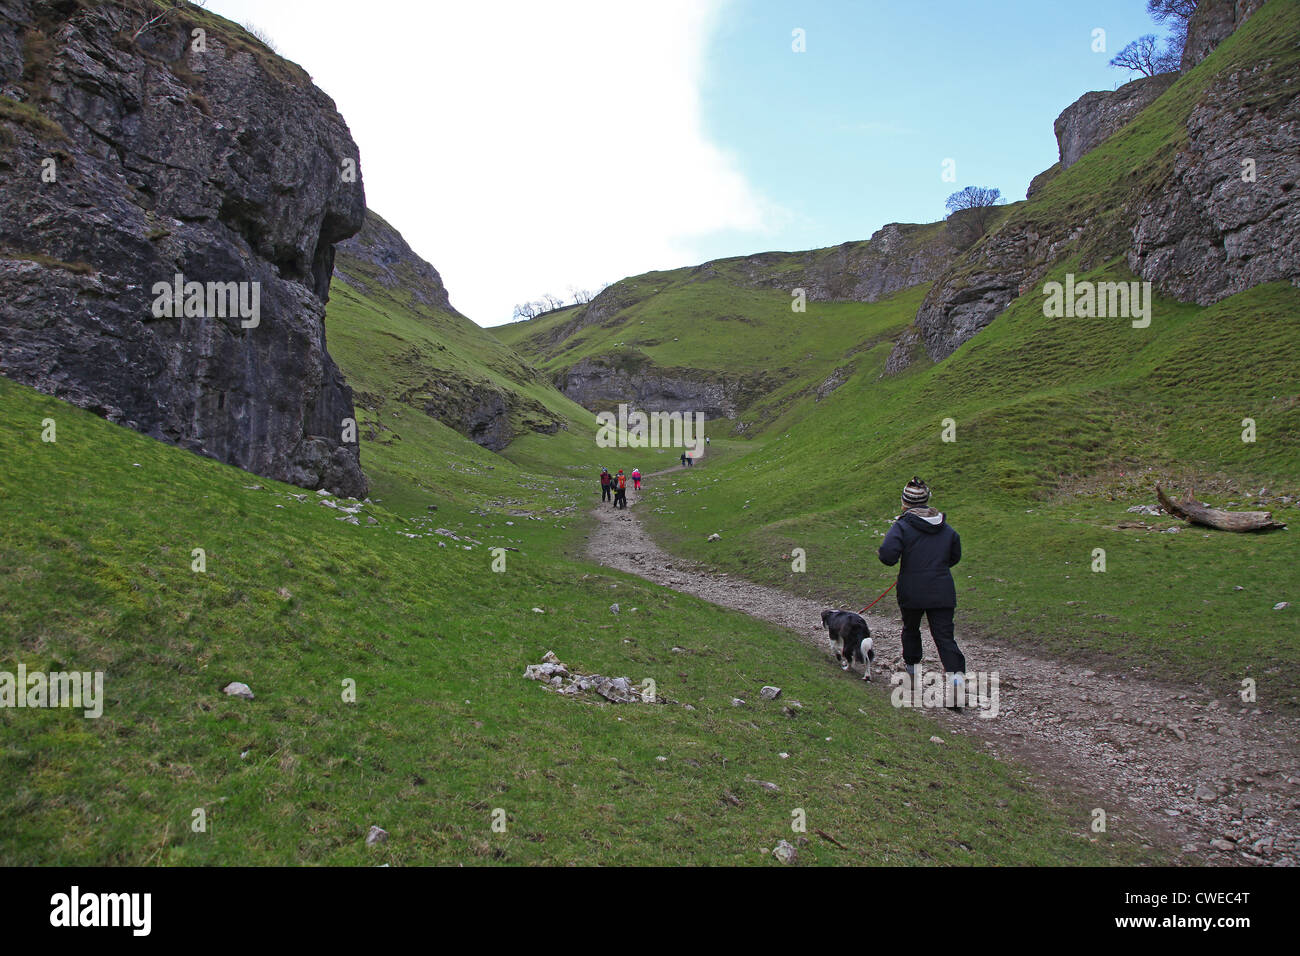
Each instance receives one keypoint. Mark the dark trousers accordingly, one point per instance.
(620, 498)
(941, 629)
(604, 492)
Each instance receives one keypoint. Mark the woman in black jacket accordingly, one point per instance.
(927, 546)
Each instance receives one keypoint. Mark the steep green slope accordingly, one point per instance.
(96, 574)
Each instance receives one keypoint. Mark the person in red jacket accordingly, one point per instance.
(605, 481)
(636, 478)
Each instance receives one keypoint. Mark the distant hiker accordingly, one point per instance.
(620, 491)
(683, 459)
(690, 460)
(928, 547)
(706, 440)
(605, 480)
(636, 478)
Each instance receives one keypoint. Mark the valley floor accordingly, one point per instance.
(1164, 761)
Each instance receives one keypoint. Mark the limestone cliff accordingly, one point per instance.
(133, 154)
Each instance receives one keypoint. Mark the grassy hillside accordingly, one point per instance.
(96, 574)
(406, 351)
(1056, 436)
(1061, 425)
(730, 319)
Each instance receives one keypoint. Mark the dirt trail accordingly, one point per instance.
(1178, 764)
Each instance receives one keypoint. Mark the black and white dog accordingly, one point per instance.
(851, 639)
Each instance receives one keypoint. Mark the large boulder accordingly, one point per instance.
(129, 157)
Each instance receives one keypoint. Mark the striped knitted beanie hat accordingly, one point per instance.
(915, 493)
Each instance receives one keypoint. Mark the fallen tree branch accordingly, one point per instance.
(826, 836)
(1197, 512)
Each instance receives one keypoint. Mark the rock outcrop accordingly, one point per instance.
(600, 383)
(1229, 219)
(898, 256)
(127, 160)
(392, 264)
(1090, 119)
(963, 301)
(1217, 214)
(1212, 23)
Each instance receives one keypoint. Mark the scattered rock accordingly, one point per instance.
(1281, 604)
(376, 835)
(785, 853)
(737, 702)
(236, 689)
(936, 740)
(1206, 793)
(716, 537)
(613, 608)
(770, 693)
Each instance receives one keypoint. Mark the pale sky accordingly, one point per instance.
(527, 146)
(523, 147)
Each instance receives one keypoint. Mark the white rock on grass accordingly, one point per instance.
(236, 689)
(1280, 605)
(737, 702)
(715, 537)
(785, 852)
(936, 740)
(376, 835)
(770, 693)
(613, 608)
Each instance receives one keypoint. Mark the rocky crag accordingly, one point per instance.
(132, 153)
(1218, 212)
(1188, 178)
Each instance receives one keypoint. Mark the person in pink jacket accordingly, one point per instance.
(636, 478)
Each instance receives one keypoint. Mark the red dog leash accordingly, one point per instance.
(877, 600)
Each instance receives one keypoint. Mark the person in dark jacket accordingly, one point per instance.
(927, 546)
(605, 481)
(620, 490)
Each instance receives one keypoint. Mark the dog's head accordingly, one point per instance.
(826, 618)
